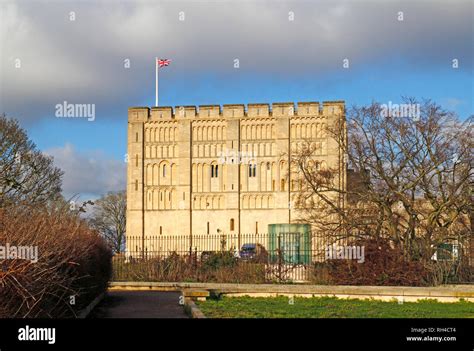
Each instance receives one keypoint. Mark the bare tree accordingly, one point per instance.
(26, 174)
(411, 179)
(109, 217)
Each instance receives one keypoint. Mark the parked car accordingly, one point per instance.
(254, 253)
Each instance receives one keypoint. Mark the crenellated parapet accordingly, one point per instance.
(254, 110)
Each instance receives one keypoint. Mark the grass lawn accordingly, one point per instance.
(331, 307)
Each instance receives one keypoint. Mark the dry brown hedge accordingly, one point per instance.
(383, 265)
(221, 267)
(73, 261)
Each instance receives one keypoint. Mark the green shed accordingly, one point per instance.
(292, 240)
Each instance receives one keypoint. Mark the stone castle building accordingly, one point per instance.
(208, 170)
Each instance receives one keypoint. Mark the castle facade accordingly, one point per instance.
(213, 169)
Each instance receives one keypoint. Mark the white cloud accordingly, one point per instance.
(82, 61)
(89, 173)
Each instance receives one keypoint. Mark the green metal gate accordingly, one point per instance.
(290, 243)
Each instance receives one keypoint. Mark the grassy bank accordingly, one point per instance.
(331, 307)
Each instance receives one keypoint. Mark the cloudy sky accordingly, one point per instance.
(76, 51)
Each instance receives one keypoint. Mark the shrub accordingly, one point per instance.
(216, 260)
(73, 260)
(219, 267)
(450, 272)
(383, 265)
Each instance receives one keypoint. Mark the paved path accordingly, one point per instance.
(139, 304)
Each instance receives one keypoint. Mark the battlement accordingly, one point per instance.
(258, 110)
(277, 109)
(234, 110)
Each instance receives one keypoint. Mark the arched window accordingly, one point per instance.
(214, 171)
(232, 224)
(164, 171)
(252, 170)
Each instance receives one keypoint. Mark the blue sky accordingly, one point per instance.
(82, 61)
(453, 90)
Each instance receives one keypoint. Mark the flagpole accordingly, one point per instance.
(156, 81)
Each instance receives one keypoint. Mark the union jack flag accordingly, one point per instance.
(163, 62)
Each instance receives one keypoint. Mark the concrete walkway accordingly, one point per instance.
(139, 304)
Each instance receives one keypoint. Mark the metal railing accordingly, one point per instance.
(209, 257)
(226, 258)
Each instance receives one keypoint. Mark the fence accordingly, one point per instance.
(243, 257)
(238, 258)
(306, 246)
